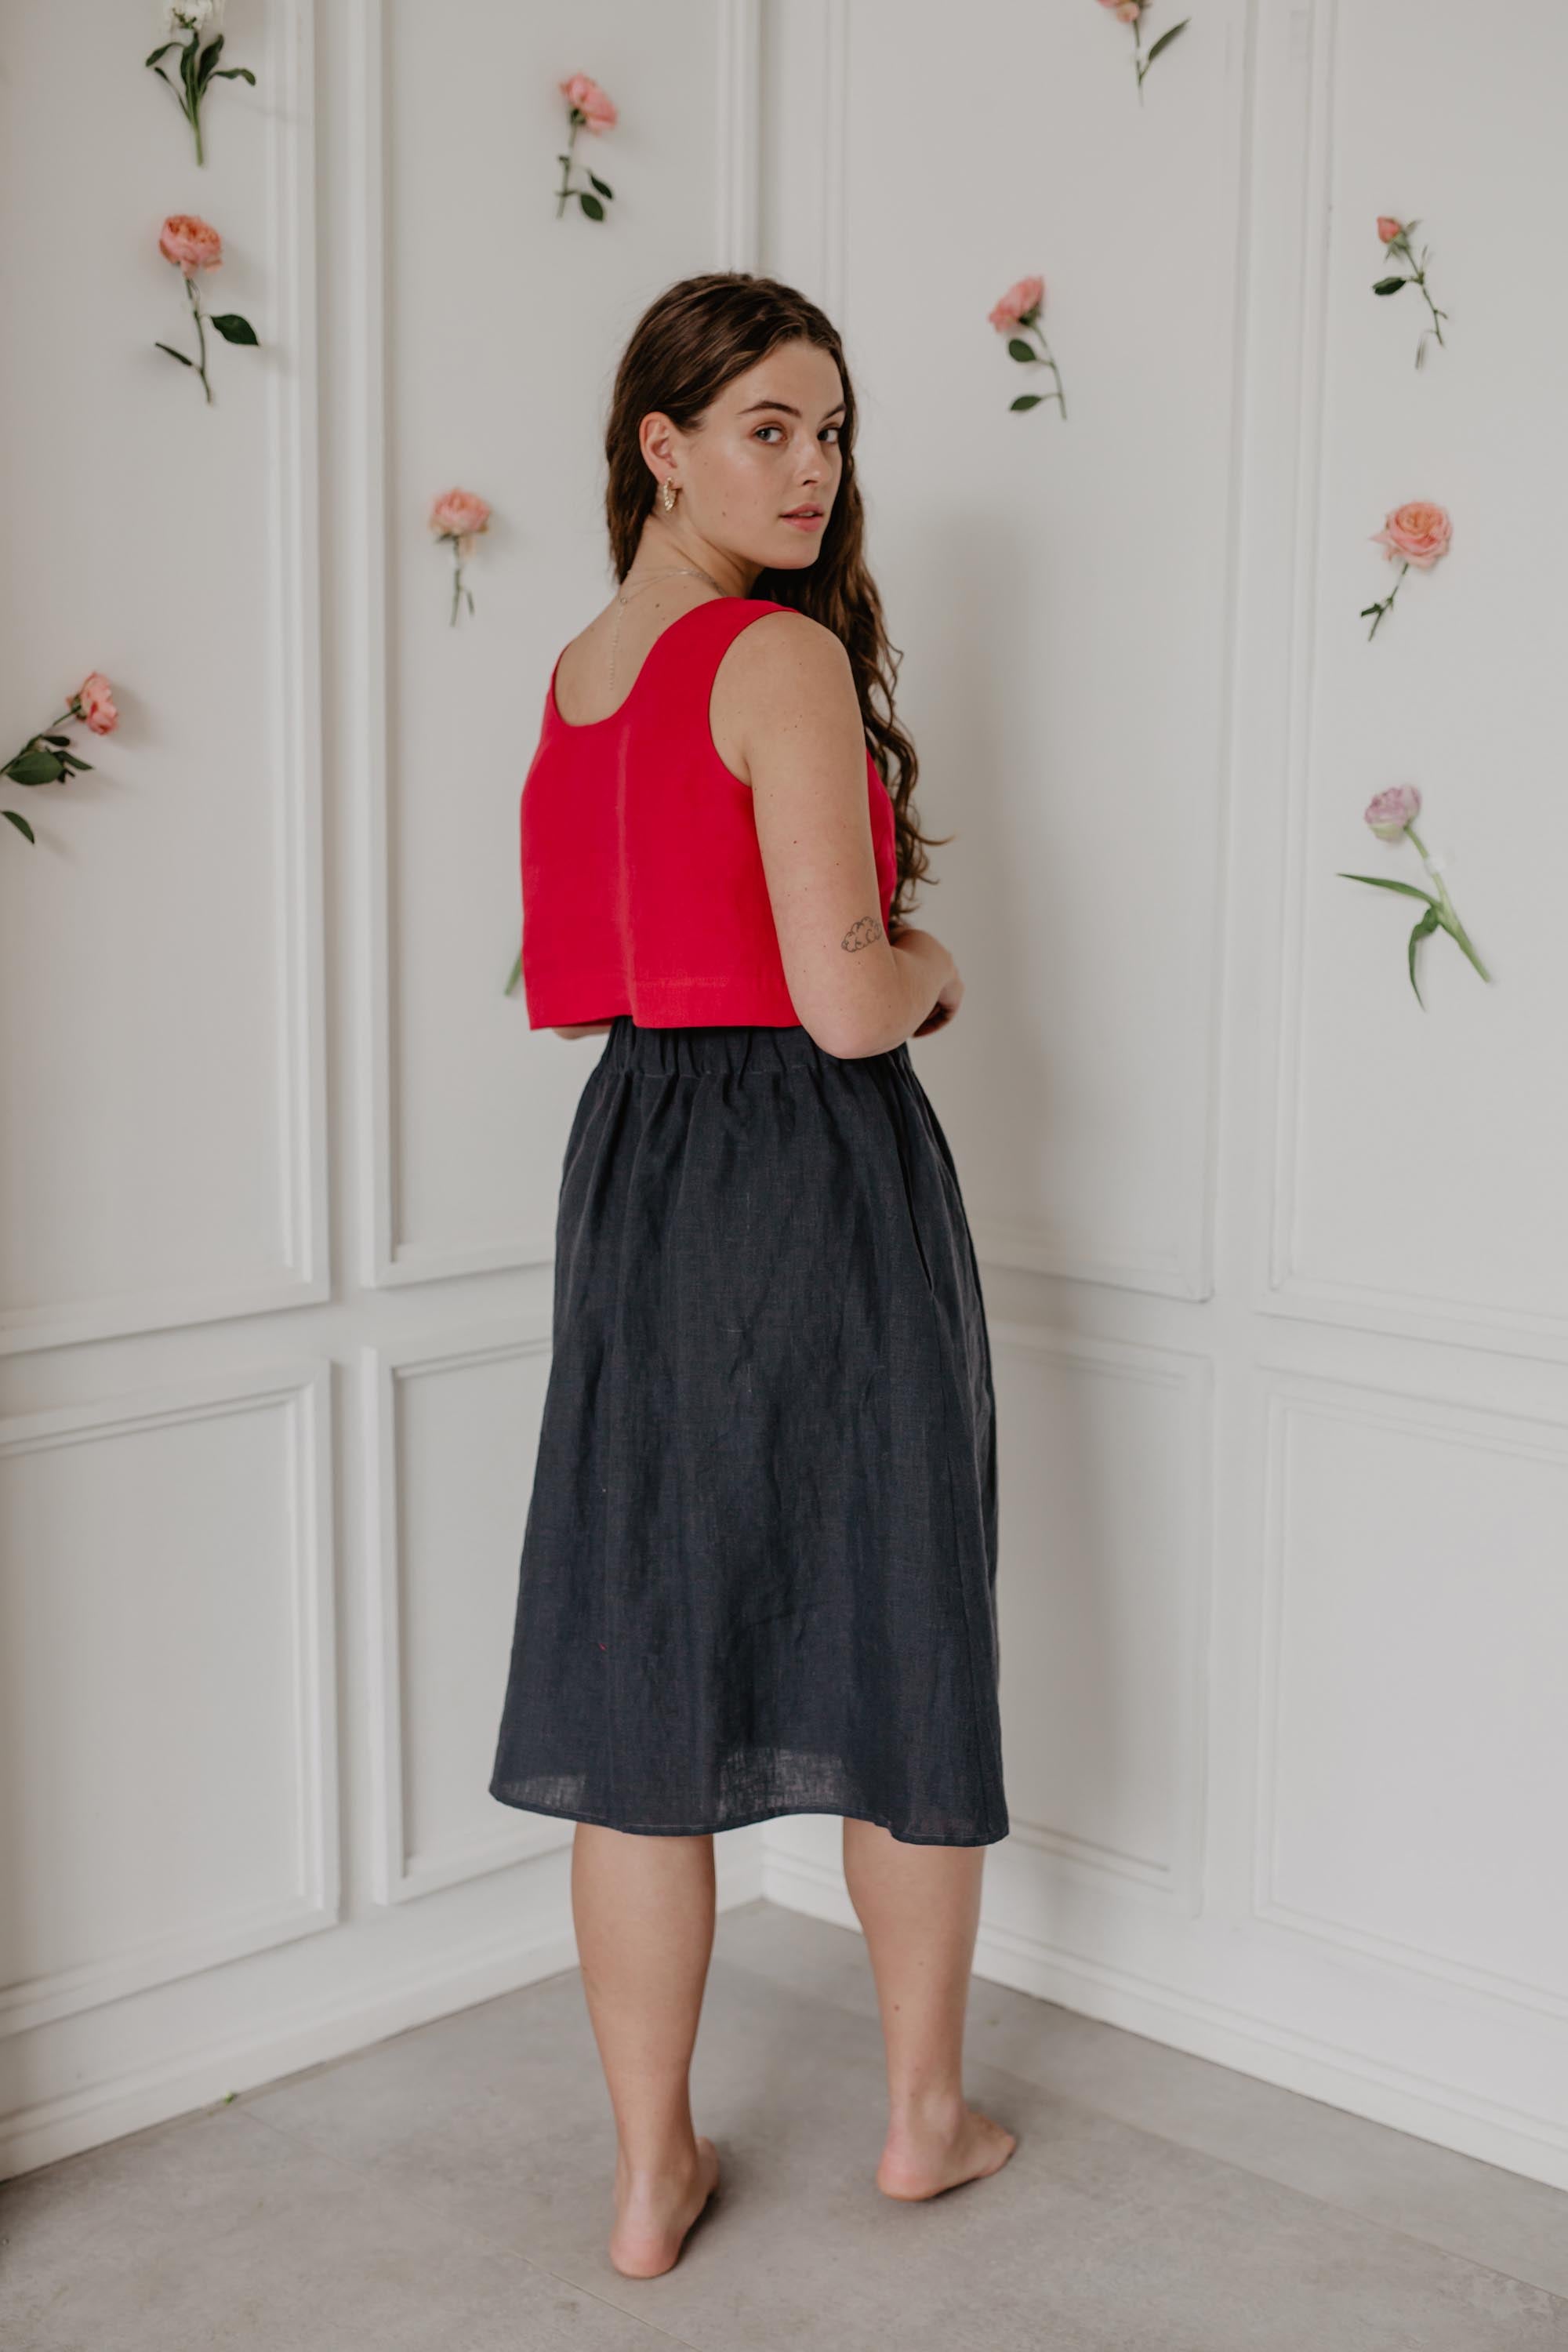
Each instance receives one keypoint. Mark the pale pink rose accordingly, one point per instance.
(580, 91)
(1418, 530)
(1018, 302)
(1127, 12)
(94, 699)
(1390, 812)
(189, 242)
(1388, 229)
(459, 514)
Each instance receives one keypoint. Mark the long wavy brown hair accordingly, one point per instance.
(687, 345)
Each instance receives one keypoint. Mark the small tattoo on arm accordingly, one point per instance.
(862, 934)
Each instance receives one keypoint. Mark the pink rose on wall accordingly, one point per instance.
(46, 758)
(1392, 816)
(457, 518)
(194, 244)
(1019, 309)
(1396, 236)
(589, 109)
(1132, 12)
(1416, 534)
(191, 21)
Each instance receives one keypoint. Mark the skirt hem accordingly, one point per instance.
(741, 1821)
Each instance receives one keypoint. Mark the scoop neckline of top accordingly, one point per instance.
(587, 725)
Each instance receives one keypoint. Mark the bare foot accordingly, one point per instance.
(652, 2217)
(925, 2155)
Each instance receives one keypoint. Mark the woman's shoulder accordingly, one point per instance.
(780, 644)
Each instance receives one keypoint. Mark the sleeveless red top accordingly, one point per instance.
(643, 887)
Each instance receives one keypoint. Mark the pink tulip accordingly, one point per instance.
(1019, 303)
(94, 700)
(1389, 813)
(584, 95)
(191, 243)
(1419, 531)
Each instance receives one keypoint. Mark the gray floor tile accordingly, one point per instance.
(215, 2234)
(451, 2188)
(1476, 2210)
(1097, 2234)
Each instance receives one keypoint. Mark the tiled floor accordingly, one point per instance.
(450, 2190)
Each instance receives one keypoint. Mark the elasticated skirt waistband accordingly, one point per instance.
(744, 1051)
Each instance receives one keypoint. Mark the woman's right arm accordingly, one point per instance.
(856, 991)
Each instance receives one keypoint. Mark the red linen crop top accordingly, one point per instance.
(643, 887)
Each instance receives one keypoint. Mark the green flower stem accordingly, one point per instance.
(1401, 244)
(201, 337)
(1446, 914)
(566, 188)
(1387, 604)
(71, 711)
(1058, 396)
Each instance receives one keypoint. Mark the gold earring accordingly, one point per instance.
(667, 494)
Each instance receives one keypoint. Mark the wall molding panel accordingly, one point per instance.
(393, 1255)
(1018, 1349)
(400, 1875)
(1282, 1286)
(310, 1903)
(303, 1276)
(1293, 1402)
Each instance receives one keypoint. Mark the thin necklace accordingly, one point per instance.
(646, 582)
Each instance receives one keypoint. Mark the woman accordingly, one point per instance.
(758, 1572)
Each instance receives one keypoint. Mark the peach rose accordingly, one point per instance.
(459, 514)
(584, 93)
(1388, 229)
(94, 700)
(1390, 812)
(1019, 303)
(191, 243)
(1418, 530)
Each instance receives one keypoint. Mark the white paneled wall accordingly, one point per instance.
(281, 1158)
(1272, 1256)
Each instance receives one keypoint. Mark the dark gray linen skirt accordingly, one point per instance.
(758, 1566)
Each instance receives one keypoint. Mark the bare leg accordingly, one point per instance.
(643, 1907)
(920, 1908)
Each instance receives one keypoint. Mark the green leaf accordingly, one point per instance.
(591, 205)
(173, 354)
(35, 768)
(1026, 400)
(515, 976)
(233, 328)
(1017, 349)
(69, 760)
(161, 52)
(1391, 285)
(20, 822)
(235, 73)
(600, 184)
(1423, 930)
(208, 60)
(1165, 41)
(1381, 882)
(60, 742)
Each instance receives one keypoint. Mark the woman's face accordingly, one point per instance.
(768, 445)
